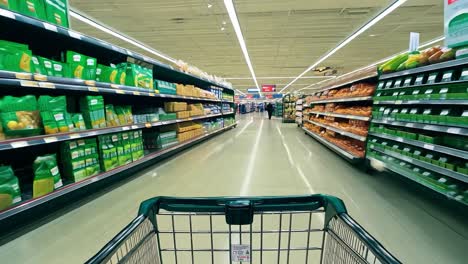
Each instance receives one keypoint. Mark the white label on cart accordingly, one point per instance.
(240, 253)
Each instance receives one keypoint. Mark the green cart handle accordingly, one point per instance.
(240, 210)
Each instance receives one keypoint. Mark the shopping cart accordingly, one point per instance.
(299, 229)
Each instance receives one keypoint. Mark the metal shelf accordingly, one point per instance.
(443, 171)
(437, 148)
(228, 113)
(47, 139)
(23, 206)
(332, 146)
(337, 100)
(425, 85)
(433, 67)
(78, 41)
(437, 128)
(29, 81)
(339, 131)
(421, 102)
(398, 170)
(363, 118)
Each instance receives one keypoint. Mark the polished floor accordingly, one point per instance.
(259, 157)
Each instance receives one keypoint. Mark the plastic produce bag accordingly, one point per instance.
(19, 116)
(10, 192)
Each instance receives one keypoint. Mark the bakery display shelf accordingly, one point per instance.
(420, 102)
(339, 131)
(90, 87)
(398, 170)
(432, 67)
(343, 100)
(456, 130)
(28, 204)
(58, 35)
(47, 139)
(335, 148)
(433, 147)
(443, 171)
(363, 118)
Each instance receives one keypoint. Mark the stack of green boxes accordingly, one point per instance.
(120, 149)
(165, 87)
(110, 74)
(53, 11)
(155, 139)
(81, 66)
(137, 76)
(80, 159)
(92, 108)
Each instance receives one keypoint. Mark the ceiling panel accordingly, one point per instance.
(283, 37)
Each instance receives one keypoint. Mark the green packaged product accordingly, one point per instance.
(93, 111)
(15, 57)
(19, 116)
(81, 66)
(46, 175)
(36, 66)
(9, 4)
(111, 117)
(78, 122)
(47, 65)
(108, 153)
(137, 76)
(33, 8)
(10, 192)
(60, 69)
(124, 114)
(107, 74)
(57, 12)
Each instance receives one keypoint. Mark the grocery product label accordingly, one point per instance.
(47, 85)
(381, 85)
(114, 138)
(428, 91)
(426, 174)
(6, 13)
(444, 112)
(429, 146)
(124, 136)
(447, 76)
(464, 73)
(58, 67)
(431, 78)
(19, 144)
(427, 112)
(136, 93)
(443, 90)
(50, 139)
(388, 85)
(415, 92)
(120, 91)
(76, 58)
(240, 253)
(454, 130)
(81, 142)
(58, 184)
(29, 84)
(407, 82)
(74, 34)
(58, 117)
(90, 62)
(93, 101)
(418, 80)
(54, 171)
(395, 93)
(465, 113)
(75, 154)
(93, 89)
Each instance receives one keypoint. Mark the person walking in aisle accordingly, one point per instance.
(269, 109)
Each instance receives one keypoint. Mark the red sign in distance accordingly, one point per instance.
(249, 96)
(268, 88)
(269, 96)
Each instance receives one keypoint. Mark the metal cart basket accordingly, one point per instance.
(297, 229)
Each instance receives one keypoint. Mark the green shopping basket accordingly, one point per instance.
(296, 229)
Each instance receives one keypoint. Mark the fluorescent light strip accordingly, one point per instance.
(289, 77)
(427, 44)
(366, 26)
(235, 23)
(83, 18)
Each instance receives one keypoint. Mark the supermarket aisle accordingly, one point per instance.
(260, 157)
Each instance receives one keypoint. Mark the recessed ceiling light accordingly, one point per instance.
(223, 28)
(372, 35)
(210, 5)
(355, 34)
(224, 22)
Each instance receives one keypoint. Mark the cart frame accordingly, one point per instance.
(344, 240)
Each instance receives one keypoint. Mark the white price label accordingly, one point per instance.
(454, 130)
(136, 93)
(134, 127)
(399, 139)
(58, 184)
(29, 84)
(19, 144)
(443, 90)
(125, 128)
(47, 85)
(432, 77)
(240, 253)
(50, 27)
(7, 13)
(114, 48)
(129, 53)
(120, 91)
(58, 117)
(464, 73)
(407, 81)
(74, 34)
(73, 136)
(398, 102)
(419, 79)
(50, 139)
(54, 170)
(447, 75)
(410, 125)
(429, 146)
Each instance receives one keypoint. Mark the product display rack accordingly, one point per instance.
(31, 31)
(299, 111)
(338, 114)
(420, 126)
(278, 109)
(289, 108)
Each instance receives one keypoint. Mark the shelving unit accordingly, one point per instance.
(420, 126)
(278, 109)
(289, 108)
(299, 111)
(338, 114)
(207, 108)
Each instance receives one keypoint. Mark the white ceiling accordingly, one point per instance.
(283, 37)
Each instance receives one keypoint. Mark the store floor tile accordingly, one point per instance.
(259, 157)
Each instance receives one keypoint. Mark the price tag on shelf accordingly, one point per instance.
(119, 91)
(399, 139)
(134, 127)
(73, 136)
(136, 93)
(93, 89)
(6, 13)
(129, 53)
(428, 146)
(454, 130)
(162, 95)
(398, 102)
(409, 125)
(23, 76)
(125, 128)
(19, 144)
(94, 179)
(47, 85)
(29, 84)
(50, 27)
(74, 34)
(50, 139)
(152, 94)
(148, 125)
